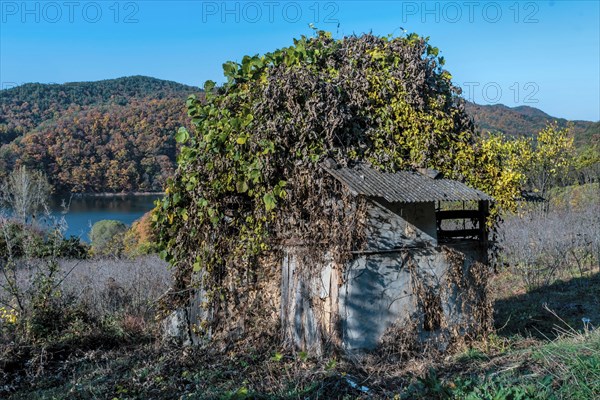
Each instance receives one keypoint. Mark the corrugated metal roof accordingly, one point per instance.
(403, 186)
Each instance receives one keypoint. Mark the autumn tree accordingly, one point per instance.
(500, 163)
(552, 155)
(26, 193)
(510, 166)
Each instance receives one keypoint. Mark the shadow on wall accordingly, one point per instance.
(377, 291)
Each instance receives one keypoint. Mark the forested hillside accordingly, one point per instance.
(526, 121)
(117, 135)
(106, 136)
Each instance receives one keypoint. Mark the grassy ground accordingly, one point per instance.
(541, 350)
(545, 312)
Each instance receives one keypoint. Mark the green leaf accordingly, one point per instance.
(330, 365)
(303, 355)
(230, 70)
(248, 119)
(197, 266)
(182, 135)
(241, 186)
(191, 101)
(209, 85)
(241, 140)
(279, 190)
(269, 201)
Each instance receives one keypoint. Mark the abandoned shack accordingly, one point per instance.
(415, 270)
(421, 270)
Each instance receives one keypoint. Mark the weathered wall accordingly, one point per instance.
(309, 304)
(396, 225)
(352, 306)
(183, 324)
(377, 288)
(256, 306)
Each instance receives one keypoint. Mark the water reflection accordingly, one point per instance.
(84, 210)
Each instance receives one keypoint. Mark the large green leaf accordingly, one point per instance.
(270, 202)
(182, 135)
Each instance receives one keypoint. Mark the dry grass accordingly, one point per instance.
(104, 286)
(541, 348)
(565, 368)
(107, 286)
(498, 366)
(541, 246)
(519, 311)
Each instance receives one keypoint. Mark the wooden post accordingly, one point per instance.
(484, 212)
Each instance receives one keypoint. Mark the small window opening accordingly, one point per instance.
(461, 220)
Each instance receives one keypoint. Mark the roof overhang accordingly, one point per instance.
(402, 186)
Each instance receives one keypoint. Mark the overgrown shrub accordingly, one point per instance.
(46, 303)
(107, 237)
(41, 308)
(18, 239)
(47, 296)
(15, 235)
(117, 286)
(249, 174)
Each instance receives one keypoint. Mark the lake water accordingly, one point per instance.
(84, 211)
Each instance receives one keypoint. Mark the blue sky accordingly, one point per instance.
(542, 54)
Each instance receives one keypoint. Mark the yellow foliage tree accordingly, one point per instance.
(498, 166)
(505, 167)
(553, 155)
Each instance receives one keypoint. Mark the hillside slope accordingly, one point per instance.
(107, 136)
(116, 135)
(526, 121)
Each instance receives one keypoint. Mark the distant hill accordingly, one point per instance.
(108, 136)
(526, 121)
(117, 135)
